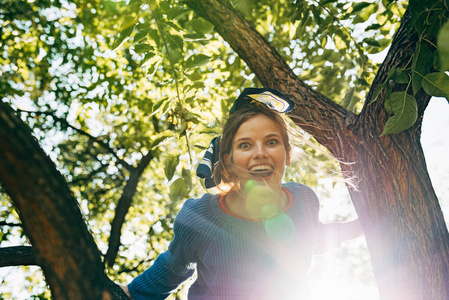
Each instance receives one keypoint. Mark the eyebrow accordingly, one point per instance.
(273, 135)
(266, 137)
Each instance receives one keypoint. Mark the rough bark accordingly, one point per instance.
(397, 206)
(63, 246)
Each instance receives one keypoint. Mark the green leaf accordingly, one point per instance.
(443, 46)
(129, 22)
(437, 61)
(347, 100)
(376, 93)
(178, 189)
(143, 48)
(392, 73)
(140, 35)
(122, 37)
(187, 176)
(339, 42)
(174, 47)
(401, 76)
(170, 166)
(436, 84)
(359, 6)
(373, 27)
(372, 42)
(175, 12)
(134, 2)
(422, 62)
(404, 111)
(323, 40)
(174, 41)
(197, 60)
(156, 106)
(202, 26)
(147, 57)
(245, 6)
(201, 147)
(162, 137)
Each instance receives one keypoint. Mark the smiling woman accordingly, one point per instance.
(258, 154)
(255, 241)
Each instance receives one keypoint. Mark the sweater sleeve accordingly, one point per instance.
(172, 267)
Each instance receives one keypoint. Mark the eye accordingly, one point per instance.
(244, 145)
(273, 142)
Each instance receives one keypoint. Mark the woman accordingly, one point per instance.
(255, 241)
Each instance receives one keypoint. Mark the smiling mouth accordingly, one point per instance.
(261, 171)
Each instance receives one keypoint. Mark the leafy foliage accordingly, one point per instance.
(424, 71)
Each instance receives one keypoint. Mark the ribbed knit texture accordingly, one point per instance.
(236, 259)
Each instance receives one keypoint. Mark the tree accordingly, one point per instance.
(377, 145)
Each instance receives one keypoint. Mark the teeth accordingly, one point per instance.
(261, 168)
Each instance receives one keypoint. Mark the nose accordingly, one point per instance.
(260, 152)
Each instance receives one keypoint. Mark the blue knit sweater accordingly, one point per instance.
(235, 258)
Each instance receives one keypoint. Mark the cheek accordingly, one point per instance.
(239, 160)
(282, 158)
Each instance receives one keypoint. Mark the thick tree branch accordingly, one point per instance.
(123, 207)
(17, 256)
(10, 224)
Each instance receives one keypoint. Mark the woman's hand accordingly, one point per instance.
(125, 289)
(331, 235)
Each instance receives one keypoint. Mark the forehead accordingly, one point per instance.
(259, 125)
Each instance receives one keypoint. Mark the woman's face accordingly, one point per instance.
(258, 152)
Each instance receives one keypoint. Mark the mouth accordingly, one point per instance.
(261, 171)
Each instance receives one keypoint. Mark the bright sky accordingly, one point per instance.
(435, 141)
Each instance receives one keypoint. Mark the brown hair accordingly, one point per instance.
(222, 172)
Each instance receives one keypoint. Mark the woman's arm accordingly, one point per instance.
(331, 235)
(173, 266)
(125, 289)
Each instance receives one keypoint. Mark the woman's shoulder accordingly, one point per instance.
(197, 217)
(303, 195)
(305, 205)
(195, 205)
(299, 189)
(198, 210)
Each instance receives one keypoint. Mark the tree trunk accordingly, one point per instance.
(394, 198)
(62, 245)
(405, 230)
(398, 208)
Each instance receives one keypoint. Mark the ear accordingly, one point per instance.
(226, 160)
(287, 160)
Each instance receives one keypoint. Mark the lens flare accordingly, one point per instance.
(262, 202)
(281, 229)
